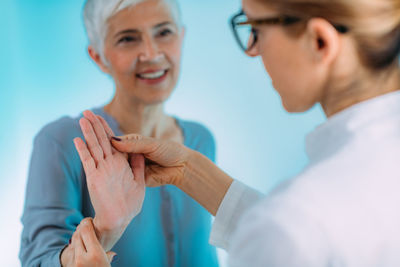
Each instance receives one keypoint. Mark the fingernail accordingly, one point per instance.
(69, 242)
(116, 139)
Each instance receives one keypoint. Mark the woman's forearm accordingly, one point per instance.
(204, 182)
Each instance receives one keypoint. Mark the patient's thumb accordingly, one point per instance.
(111, 255)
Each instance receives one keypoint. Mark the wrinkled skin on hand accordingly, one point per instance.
(116, 185)
(166, 161)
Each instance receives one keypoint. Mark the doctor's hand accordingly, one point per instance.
(166, 161)
(116, 183)
(173, 163)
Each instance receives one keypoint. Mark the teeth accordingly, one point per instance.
(153, 75)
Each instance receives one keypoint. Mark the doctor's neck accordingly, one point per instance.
(347, 92)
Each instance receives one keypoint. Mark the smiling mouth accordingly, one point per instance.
(152, 75)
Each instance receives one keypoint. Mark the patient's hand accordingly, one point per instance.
(85, 250)
(116, 185)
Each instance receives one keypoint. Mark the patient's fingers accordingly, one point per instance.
(106, 127)
(77, 244)
(101, 135)
(89, 236)
(138, 168)
(80, 249)
(109, 131)
(91, 140)
(87, 161)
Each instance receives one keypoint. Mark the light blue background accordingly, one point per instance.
(46, 73)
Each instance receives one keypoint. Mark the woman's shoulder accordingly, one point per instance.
(61, 131)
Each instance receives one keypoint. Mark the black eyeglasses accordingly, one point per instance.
(247, 37)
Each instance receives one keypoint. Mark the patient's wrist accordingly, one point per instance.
(108, 234)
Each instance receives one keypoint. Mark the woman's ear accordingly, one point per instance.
(323, 41)
(183, 32)
(97, 59)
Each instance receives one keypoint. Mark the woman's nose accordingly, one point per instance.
(150, 50)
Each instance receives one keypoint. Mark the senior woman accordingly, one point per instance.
(138, 43)
(342, 210)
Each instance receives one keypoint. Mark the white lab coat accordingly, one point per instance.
(342, 210)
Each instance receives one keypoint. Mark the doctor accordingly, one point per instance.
(342, 210)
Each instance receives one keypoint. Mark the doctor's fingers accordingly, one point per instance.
(161, 152)
(91, 139)
(137, 144)
(107, 128)
(87, 160)
(99, 131)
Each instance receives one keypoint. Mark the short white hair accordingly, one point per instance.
(97, 12)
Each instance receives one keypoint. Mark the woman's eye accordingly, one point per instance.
(165, 32)
(128, 39)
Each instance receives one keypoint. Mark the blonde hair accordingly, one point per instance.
(375, 24)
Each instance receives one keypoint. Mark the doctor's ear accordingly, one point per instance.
(323, 41)
(97, 59)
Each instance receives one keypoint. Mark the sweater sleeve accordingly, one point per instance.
(52, 203)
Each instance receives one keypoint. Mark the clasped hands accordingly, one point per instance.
(117, 176)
